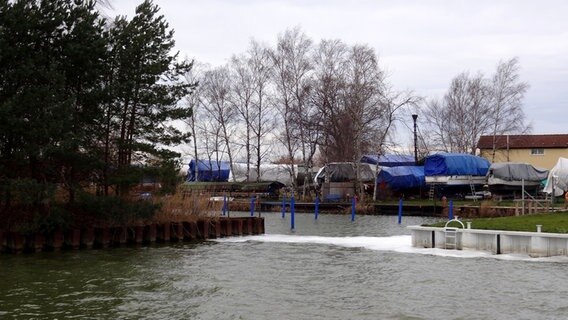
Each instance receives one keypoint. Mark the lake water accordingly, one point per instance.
(331, 268)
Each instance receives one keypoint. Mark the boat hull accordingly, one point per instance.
(456, 180)
(497, 185)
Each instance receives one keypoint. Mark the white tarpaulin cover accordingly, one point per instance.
(268, 172)
(515, 171)
(345, 172)
(560, 176)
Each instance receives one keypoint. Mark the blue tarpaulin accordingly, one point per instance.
(455, 164)
(402, 177)
(389, 160)
(210, 171)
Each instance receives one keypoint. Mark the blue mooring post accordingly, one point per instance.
(317, 208)
(292, 212)
(283, 207)
(252, 200)
(224, 204)
(353, 209)
(451, 210)
(400, 211)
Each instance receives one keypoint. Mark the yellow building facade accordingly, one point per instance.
(541, 151)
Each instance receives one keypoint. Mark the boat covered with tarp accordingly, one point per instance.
(455, 169)
(514, 176)
(557, 180)
(344, 172)
(388, 160)
(268, 172)
(402, 177)
(208, 171)
(456, 175)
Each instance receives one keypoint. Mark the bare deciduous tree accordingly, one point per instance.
(242, 92)
(475, 106)
(292, 67)
(363, 101)
(329, 59)
(262, 111)
(216, 100)
(507, 93)
(194, 102)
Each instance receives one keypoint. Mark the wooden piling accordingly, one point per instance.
(214, 229)
(73, 239)
(249, 225)
(3, 246)
(102, 237)
(119, 236)
(58, 239)
(35, 242)
(228, 228)
(189, 230)
(176, 231)
(138, 234)
(163, 232)
(258, 225)
(204, 229)
(225, 225)
(15, 242)
(88, 237)
(237, 226)
(150, 233)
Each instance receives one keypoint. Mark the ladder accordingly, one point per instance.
(472, 188)
(431, 192)
(451, 238)
(451, 234)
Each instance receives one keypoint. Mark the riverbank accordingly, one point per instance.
(105, 237)
(552, 223)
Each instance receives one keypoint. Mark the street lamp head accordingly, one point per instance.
(414, 117)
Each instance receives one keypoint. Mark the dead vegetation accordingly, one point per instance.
(187, 206)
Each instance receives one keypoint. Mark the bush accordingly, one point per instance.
(114, 210)
(57, 218)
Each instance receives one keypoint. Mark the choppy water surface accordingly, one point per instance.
(331, 268)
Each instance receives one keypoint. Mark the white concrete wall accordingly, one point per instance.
(534, 244)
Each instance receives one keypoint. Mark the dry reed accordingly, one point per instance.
(187, 206)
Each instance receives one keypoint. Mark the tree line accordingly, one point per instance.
(86, 103)
(307, 103)
(297, 102)
(92, 104)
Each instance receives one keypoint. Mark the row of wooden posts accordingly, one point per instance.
(105, 237)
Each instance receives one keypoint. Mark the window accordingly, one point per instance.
(537, 152)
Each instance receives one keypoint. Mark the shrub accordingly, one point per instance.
(113, 210)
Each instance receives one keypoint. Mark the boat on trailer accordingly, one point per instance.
(455, 174)
(512, 177)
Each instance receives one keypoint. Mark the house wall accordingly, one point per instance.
(545, 161)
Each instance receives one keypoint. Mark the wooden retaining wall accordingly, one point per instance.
(106, 237)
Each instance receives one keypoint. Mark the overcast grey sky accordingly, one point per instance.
(421, 44)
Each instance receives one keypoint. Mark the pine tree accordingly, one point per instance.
(147, 84)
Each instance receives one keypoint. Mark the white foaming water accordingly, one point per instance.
(401, 243)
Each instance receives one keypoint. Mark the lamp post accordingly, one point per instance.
(414, 117)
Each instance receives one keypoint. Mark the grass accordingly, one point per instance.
(551, 222)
